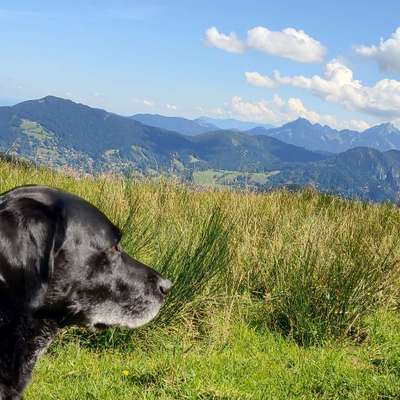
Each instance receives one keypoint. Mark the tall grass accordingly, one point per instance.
(314, 293)
(313, 266)
(199, 267)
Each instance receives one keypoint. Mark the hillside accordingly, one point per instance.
(181, 125)
(233, 150)
(362, 173)
(59, 132)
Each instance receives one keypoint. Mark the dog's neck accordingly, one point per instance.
(22, 341)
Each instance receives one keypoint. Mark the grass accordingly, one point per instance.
(249, 365)
(279, 295)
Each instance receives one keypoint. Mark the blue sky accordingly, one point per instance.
(156, 56)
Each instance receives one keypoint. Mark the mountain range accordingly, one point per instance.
(316, 137)
(196, 126)
(58, 132)
(300, 132)
(231, 123)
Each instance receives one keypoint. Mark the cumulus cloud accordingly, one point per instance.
(339, 86)
(229, 43)
(257, 79)
(386, 54)
(278, 112)
(262, 111)
(289, 43)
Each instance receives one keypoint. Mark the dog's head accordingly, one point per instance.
(60, 256)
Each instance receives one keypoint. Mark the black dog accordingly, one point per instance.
(60, 264)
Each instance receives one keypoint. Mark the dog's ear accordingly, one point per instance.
(31, 234)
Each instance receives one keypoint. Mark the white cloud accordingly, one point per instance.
(229, 43)
(257, 79)
(263, 110)
(386, 54)
(289, 43)
(148, 103)
(338, 86)
(171, 107)
(278, 112)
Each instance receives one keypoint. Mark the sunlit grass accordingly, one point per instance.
(248, 365)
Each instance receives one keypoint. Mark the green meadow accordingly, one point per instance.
(276, 296)
(221, 178)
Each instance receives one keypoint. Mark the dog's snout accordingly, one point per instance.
(164, 286)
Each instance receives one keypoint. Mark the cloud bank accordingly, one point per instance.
(339, 86)
(289, 43)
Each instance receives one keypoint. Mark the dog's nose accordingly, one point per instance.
(164, 286)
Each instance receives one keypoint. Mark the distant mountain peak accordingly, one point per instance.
(387, 128)
(299, 122)
(50, 98)
(302, 120)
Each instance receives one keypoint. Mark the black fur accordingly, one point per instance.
(60, 264)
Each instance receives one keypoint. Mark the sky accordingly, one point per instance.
(334, 63)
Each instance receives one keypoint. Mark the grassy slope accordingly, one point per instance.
(296, 307)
